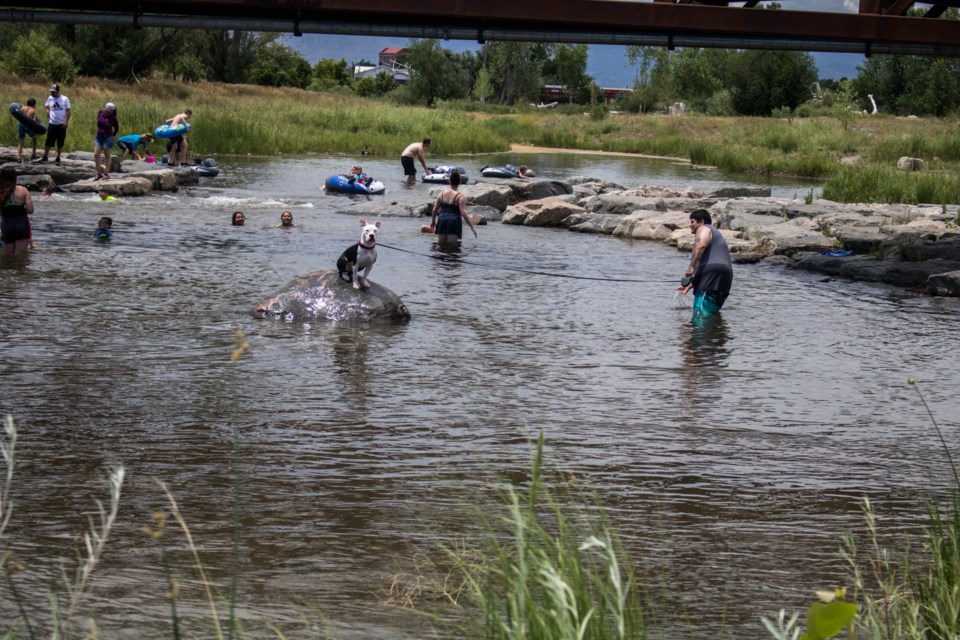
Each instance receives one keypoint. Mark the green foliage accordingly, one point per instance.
(653, 88)
(571, 72)
(699, 75)
(842, 106)
(278, 65)
(337, 71)
(515, 68)
(365, 87)
(434, 74)
(760, 81)
(906, 85)
(123, 53)
(33, 56)
(825, 620)
(483, 85)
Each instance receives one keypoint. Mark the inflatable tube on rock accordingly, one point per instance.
(441, 175)
(166, 131)
(343, 184)
(32, 124)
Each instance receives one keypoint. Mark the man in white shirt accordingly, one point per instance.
(58, 118)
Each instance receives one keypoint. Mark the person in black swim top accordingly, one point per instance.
(17, 205)
(710, 270)
(449, 212)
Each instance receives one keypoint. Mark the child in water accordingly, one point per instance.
(103, 228)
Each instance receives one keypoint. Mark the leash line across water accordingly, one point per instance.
(539, 273)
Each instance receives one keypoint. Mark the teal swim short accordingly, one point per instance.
(708, 302)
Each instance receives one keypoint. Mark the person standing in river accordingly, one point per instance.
(710, 271)
(15, 208)
(58, 119)
(449, 212)
(414, 150)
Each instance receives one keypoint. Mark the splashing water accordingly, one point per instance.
(682, 301)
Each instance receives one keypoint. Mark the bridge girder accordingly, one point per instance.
(880, 26)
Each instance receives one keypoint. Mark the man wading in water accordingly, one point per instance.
(710, 272)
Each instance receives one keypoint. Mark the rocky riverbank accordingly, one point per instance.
(910, 246)
(76, 174)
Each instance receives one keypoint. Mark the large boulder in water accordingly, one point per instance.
(324, 296)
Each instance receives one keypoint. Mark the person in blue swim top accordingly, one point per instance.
(130, 143)
(103, 228)
(710, 271)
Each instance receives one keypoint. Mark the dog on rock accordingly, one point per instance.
(360, 257)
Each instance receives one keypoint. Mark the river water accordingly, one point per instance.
(730, 455)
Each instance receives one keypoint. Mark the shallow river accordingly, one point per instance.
(731, 456)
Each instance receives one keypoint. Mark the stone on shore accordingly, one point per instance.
(324, 296)
(944, 284)
(77, 171)
(126, 186)
(548, 212)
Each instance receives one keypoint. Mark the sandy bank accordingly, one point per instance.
(522, 148)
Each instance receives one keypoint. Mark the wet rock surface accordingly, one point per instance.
(322, 296)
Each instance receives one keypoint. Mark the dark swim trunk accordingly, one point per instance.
(408, 168)
(56, 135)
(15, 228)
(178, 142)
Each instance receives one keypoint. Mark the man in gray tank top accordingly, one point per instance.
(710, 270)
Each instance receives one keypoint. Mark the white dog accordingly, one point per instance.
(361, 256)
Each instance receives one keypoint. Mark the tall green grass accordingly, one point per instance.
(885, 184)
(548, 568)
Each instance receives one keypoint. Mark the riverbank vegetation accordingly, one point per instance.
(542, 562)
(855, 157)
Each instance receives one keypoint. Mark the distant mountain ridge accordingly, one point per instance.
(606, 63)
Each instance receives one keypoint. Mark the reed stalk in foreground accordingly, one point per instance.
(62, 609)
(902, 594)
(549, 572)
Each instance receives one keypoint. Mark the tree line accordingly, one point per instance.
(709, 81)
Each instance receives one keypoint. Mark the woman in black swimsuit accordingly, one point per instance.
(451, 205)
(16, 206)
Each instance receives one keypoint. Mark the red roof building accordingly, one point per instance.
(388, 56)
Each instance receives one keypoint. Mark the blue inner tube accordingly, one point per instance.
(166, 131)
(343, 184)
(32, 124)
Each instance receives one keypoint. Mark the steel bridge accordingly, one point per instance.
(880, 26)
